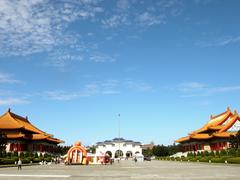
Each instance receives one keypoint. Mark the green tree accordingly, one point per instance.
(3, 142)
(235, 141)
(147, 152)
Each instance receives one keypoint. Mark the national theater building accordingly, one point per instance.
(214, 135)
(22, 136)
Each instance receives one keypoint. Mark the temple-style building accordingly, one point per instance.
(22, 136)
(119, 147)
(214, 135)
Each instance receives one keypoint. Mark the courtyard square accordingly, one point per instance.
(126, 170)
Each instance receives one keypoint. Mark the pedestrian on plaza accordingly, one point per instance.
(19, 163)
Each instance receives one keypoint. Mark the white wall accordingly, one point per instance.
(122, 146)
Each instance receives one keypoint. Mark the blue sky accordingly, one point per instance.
(164, 65)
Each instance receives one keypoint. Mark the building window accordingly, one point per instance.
(113, 145)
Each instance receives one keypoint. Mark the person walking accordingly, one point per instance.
(19, 163)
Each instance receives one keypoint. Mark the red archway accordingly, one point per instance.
(76, 154)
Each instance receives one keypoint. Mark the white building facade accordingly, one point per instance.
(119, 147)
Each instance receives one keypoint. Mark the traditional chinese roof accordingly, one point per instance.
(220, 126)
(11, 121)
(118, 140)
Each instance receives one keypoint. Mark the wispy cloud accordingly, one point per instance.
(13, 101)
(29, 27)
(190, 86)
(33, 27)
(101, 58)
(138, 86)
(220, 42)
(196, 89)
(148, 19)
(107, 87)
(8, 78)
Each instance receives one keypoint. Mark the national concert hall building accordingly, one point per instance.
(22, 136)
(214, 135)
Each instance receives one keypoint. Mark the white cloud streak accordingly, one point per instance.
(13, 101)
(220, 42)
(8, 78)
(196, 89)
(108, 87)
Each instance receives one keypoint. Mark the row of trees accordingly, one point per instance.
(161, 150)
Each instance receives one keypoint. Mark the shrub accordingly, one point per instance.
(206, 153)
(204, 159)
(36, 160)
(235, 160)
(184, 158)
(211, 154)
(217, 154)
(223, 153)
(217, 160)
(27, 154)
(48, 159)
(193, 159)
(7, 161)
(26, 160)
(232, 152)
(238, 153)
(9, 154)
(178, 158)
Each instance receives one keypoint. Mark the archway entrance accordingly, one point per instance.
(109, 153)
(129, 154)
(76, 154)
(118, 154)
(137, 152)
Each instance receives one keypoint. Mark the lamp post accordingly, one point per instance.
(119, 136)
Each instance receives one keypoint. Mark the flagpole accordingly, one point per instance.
(119, 136)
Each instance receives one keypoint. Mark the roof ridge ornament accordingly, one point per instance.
(9, 109)
(211, 116)
(228, 108)
(235, 112)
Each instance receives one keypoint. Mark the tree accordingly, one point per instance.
(147, 152)
(235, 141)
(3, 142)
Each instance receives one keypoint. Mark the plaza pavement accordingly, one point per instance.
(126, 170)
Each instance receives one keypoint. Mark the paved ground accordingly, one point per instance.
(126, 170)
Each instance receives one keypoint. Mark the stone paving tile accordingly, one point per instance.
(127, 170)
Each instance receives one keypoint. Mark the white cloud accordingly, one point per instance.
(220, 42)
(61, 58)
(138, 86)
(147, 19)
(123, 4)
(28, 27)
(101, 58)
(7, 78)
(60, 95)
(107, 87)
(196, 89)
(13, 101)
(190, 86)
(115, 21)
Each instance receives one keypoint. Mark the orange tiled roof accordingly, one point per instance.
(201, 136)
(224, 134)
(218, 125)
(10, 120)
(183, 139)
(14, 136)
(214, 121)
